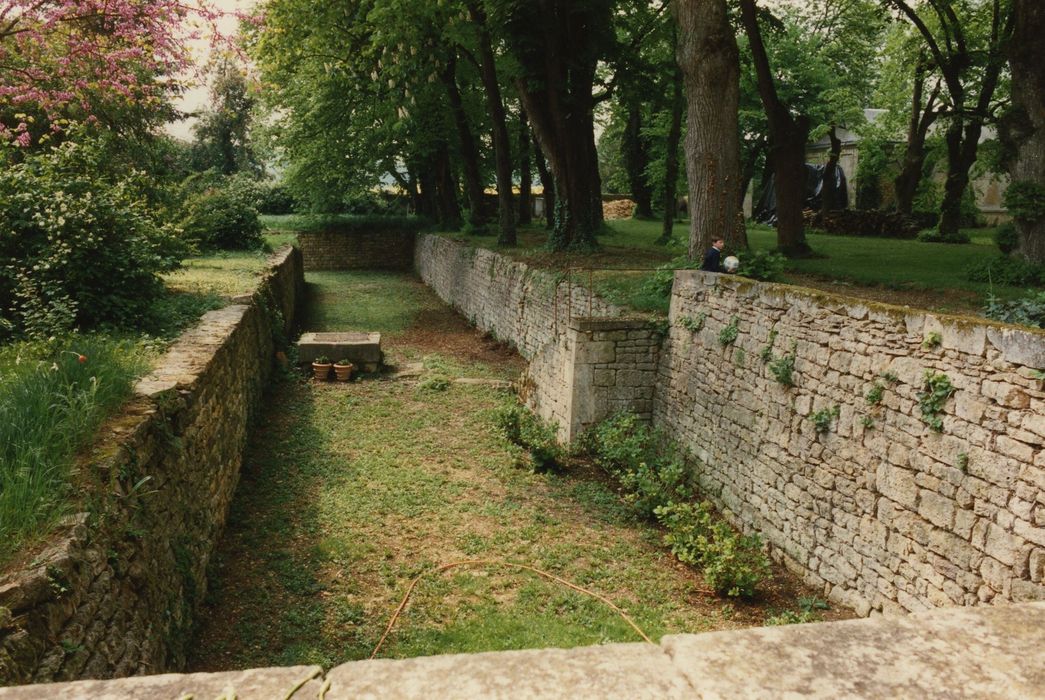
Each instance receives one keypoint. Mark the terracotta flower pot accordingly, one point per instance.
(321, 371)
(343, 372)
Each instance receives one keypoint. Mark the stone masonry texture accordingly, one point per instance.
(376, 249)
(960, 652)
(585, 360)
(115, 592)
(880, 511)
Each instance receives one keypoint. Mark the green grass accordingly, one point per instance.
(51, 404)
(350, 491)
(896, 271)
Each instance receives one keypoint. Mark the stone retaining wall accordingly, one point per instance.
(550, 322)
(378, 249)
(880, 510)
(116, 591)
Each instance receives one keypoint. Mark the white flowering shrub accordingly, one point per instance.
(77, 249)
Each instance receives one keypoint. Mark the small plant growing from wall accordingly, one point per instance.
(740, 358)
(766, 353)
(728, 335)
(693, 324)
(933, 340)
(875, 394)
(823, 418)
(935, 392)
(962, 462)
(783, 368)
(867, 422)
(890, 377)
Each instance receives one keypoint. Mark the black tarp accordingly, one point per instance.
(765, 210)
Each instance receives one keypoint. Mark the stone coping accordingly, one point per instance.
(957, 652)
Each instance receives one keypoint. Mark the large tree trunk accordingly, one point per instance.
(788, 135)
(1027, 130)
(502, 148)
(525, 171)
(922, 118)
(447, 206)
(635, 152)
(558, 44)
(957, 179)
(829, 190)
(473, 186)
(710, 62)
(671, 159)
(548, 186)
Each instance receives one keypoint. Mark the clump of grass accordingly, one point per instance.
(53, 396)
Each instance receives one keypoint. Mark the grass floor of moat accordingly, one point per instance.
(350, 491)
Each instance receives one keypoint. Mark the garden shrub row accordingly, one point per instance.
(867, 222)
(656, 483)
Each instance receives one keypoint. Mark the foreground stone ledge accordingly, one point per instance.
(994, 652)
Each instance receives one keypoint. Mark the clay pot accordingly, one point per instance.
(343, 372)
(321, 371)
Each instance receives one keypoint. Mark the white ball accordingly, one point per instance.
(731, 264)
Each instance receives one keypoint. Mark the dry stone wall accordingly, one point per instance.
(363, 249)
(878, 508)
(116, 591)
(551, 323)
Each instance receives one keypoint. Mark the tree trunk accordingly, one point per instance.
(635, 152)
(502, 149)
(558, 44)
(449, 210)
(788, 135)
(710, 62)
(548, 185)
(747, 170)
(525, 172)
(671, 170)
(473, 186)
(829, 189)
(922, 118)
(1027, 134)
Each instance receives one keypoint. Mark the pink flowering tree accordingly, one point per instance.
(62, 59)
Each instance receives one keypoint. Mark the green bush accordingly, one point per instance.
(762, 265)
(620, 444)
(1013, 272)
(540, 437)
(276, 199)
(223, 217)
(931, 235)
(1006, 238)
(658, 285)
(733, 564)
(53, 396)
(1028, 311)
(77, 249)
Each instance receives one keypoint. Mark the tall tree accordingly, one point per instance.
(635, 152)
(222, 134)
(967, 42)
(502, 148)
(525, 171)
(925, 109)
(1025, 128)
(789, 134)
(558, 45)
(473, 185)
(671, 158)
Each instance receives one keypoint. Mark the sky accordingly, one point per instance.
(196, 98)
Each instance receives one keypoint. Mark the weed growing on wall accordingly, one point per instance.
(932, 340)
(935, 392)
(875, 394)
(728, 335)
(766, 353)
(823, 418)
(783, 368)
(693, 323)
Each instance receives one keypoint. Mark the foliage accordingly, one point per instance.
(222, 132)
(932, 235)
(276, 199)
(732, 564)
(932, 340)
(728, 335)
(762, 265)
(783, 368)
(1025, 200)
(823, 418)
(766, 353)
(224, 216)
(1015, 272)
(527, 430)
(53, 396)
(620, 443)
(875, 394)
(77, 249)
(809, 611)
(936, 390)
(693, 323)
(1006, 238)
(1026, 311)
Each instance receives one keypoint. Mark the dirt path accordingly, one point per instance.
(350, 491)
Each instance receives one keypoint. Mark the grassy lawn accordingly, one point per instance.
(350, 491)
(925, 275)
